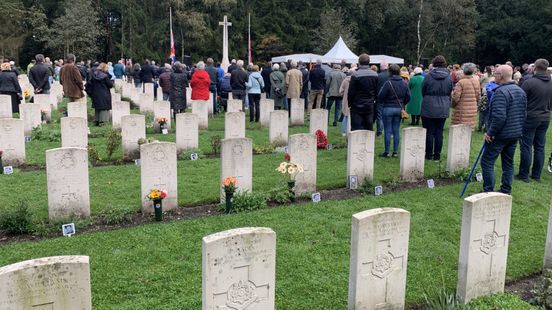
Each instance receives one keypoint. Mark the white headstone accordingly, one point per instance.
(210, 106)
(115, 97)
(120, 109)
(187, 131)
(302, 150)
(239, 269)
(278, 130)
(77, 109)
(234, 105)
(548, 245)
(68, 190)
(45, 103)
(297, 112)
(135, 96)
(200, 108)
(12, 141)
(148, 89)
(318, 121)
(266, 107)
(30, 114)
(459, 143)
(360, 155)
(159, 171)
(412, 153)
(58, 282)
(234, 125)
(5, 106)
(146, 103)
(161, 109)
(74, 132)
(237, 162)
(379, 254)
(127, 90)
(483, 245)
(133, 128)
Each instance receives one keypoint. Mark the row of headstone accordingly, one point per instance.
(238, 265)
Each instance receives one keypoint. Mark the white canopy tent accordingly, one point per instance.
(379, 59)
(340, 52)
(306, 58)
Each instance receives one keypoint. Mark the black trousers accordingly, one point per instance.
(254, 112)
(362, 120)
(434, 135)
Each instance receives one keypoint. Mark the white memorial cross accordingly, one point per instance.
(225, 62)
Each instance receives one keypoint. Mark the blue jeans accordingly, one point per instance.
(344, 124)
(337, 110)
(534, 136)
(379, 119)
(391, 124)
(506, 149)
(166, 96)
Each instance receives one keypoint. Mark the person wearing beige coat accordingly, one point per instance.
(294, 82)
(465, 97)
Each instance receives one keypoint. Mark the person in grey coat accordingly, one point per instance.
(277, 87)
(333, 82)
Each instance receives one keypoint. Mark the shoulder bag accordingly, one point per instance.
(404, 114)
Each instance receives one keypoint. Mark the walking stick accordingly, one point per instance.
(473, 169)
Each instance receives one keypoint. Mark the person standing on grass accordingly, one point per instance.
(98, 88)
(278, 87)
(436, 91)
(254, 85)
(200, 83)
(539, 103)
(465, 97)
(178, 84)
(317, 78)
(165, 82)
(9, 85)
(507, 112)
(333, 83)
(362, 95)
(414, 106)
(238, 78)
(71, 80)
(39, 76)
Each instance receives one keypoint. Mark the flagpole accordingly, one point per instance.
(249, 40)
(173, 54)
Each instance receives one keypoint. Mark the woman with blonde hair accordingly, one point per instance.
(9, 85)
(465, 97)
(98, 88)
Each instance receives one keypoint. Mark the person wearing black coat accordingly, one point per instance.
(305, 89)
(39, 76)
(362, 95)
(265, 73)
(9, 85)
(177, 93)
(98, 88)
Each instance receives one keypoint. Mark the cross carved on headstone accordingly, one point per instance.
(383, 264)
(488, 243)
(242, 293)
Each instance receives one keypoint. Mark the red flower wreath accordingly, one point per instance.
(321, 139)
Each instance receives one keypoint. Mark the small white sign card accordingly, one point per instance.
(479, 177)
(68, 229)
(286, 150)
(193, 156)
(378, 190)
(353, 182)
(431, 183)
(137, 162)
(316, 197)
(329, 147)
(8, 170)
(165, 131)
(28, 138)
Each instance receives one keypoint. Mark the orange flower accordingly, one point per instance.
(230, 181)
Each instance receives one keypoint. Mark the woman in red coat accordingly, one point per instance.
(200, 83)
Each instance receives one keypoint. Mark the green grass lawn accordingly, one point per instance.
(158, 266)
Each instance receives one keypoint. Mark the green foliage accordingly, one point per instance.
(333, 24)
(444, 300)
(93, 155)
(259, 149)
(505, 301)
(113, 141)
(244, 201)
(186, 155)
(117, 215)
(40, 133)
(17, 220)
(216, 144)
(280, 194)
(542, 293)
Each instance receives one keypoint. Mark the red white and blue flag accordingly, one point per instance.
(173, 53)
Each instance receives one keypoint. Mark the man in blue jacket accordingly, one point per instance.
(507, 112)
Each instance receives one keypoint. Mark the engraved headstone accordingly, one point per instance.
(148, 89)
(458, 155)
(234, 105)
(5, 106)
(318, 121)
(297, 112)
(74, 132)
(278, 130)
(115, 97)
(45, 103)
(360, 155)
(483, 245)
(158, 171)
(200, 108)
(127, 90)
(30, 114)
(133, 128)
(210, 106)
(77, 109)
(239, 269)
(237, 162)
(12, 141)
(135, 95)
(266, 107)
(548, 245)
(379, 254)
(161, 109)
(302, 150)
(187, 132)
(48, 283)
(120, 109)
(146, 103)
(68, 190)
(234, 125)
(412, 154)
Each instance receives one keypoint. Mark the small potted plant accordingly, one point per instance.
(157, 197)
(290, 170)
(229, 185)
(162, 121)
(27, 95)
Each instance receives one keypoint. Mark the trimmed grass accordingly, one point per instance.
(159, 265)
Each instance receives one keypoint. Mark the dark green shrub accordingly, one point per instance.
(17, 220)
(113, 141)
(216, 143)
(247, 201)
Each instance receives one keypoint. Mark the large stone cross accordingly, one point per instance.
(242, 293)
(225, 62)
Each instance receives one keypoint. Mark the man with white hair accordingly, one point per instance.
(507, 112)
(294, 82)
(317, 78)
(238, 78)
(232, 66)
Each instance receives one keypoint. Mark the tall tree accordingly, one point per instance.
(335, 24)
